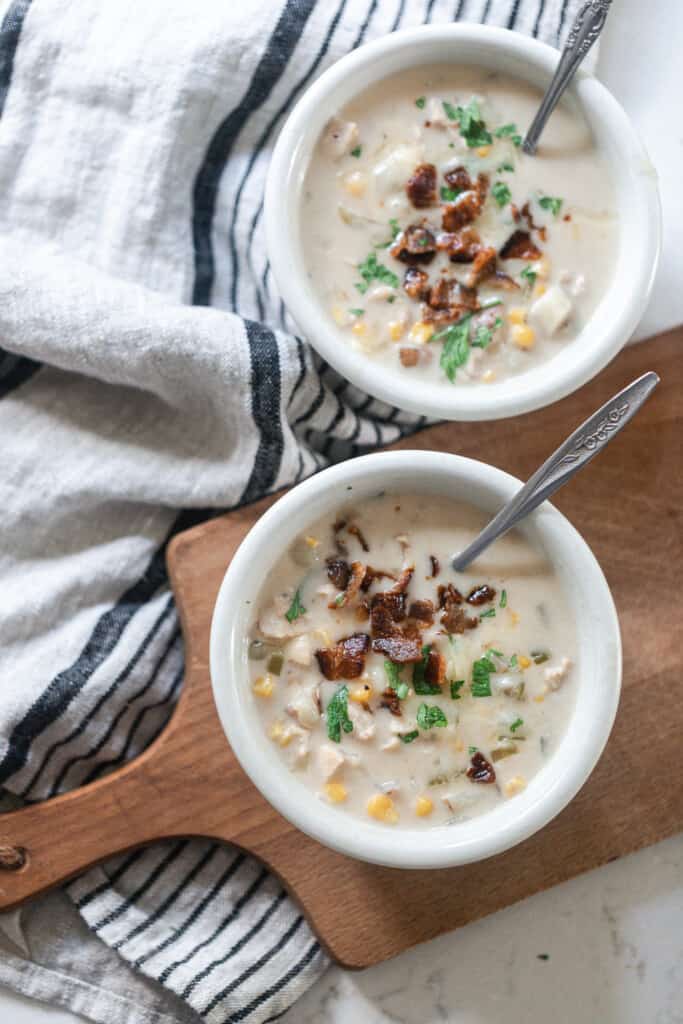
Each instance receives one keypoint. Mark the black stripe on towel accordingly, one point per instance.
(265, 409)
(10, 31)
(149, 881)
(15, 371)
(268, 72)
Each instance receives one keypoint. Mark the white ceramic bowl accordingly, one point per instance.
(598, 658)
(637, 203)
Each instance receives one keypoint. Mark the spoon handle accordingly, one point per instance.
(582, 35)
(576, 452)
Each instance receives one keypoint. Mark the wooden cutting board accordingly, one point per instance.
(628, 506)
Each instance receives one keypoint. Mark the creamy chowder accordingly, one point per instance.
(401, 690)
(437, 246)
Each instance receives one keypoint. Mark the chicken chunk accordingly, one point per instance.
(555, 675)
(340, 138)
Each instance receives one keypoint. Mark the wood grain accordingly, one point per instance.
(627, 504)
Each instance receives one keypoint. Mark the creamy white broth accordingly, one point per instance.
(355, 199)
(415, 767)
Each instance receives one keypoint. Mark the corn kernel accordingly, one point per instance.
(312, 542)
(489, 376)
(523, 661)
(280, 734)
(396, 330)
(361, 694)
(517, 314)
(459, 746)
(483, 151)
(339, 315)
(539, 290)
(335, 792)
(355, 184)
(540, 697)
(359, 328)
(423, 806)
(421, 332)
(523, 336)
(514, 617)
(381, 806)
(263, 686)
(514, 785)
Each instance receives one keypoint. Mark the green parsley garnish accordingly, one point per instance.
(505, 166)
(395, 230)
(481, 677)
(483, 336)
(420, 684)
(357, 151)
(420, 102)
(408, 737)
(393, 673)
(338, 715)
(429, 715)
(372, 270)
(456, 348)
(296, 608)
(509, 131)
(518, 722)
(402, 691)
(551, 203)
(450, 111)
(471, 750)
(472, 127)
(356, 312)
(497, 654)
(456, 686)
(490, 613)
(501, 193)
(449, 195)
(513, 661)
(529, 275)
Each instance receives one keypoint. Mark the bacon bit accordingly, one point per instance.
(346, 660)
(416, 283)
(567, 217)
(356, 532)
(362, 611)
(480, 769)
(339, 572)
(484, 265)
(435, 669)
(435, 567)
(519, 246)
(346, 597)
(481, 594)
(458, 178)
(415, 244)
(464, 210)
(421, 185)
(448, 301)
(374, 574)
(454, 620)
(398, 648)
(516, 215)
(526, 213)
(403, 580)
(409, 356)
(338, 542)
(461, 246)
(501, 280)
(448, 594)
(386, 610)
(390, 700)
(423, 611)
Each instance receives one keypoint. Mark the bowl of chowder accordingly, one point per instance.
(431, 261)
(396, 710)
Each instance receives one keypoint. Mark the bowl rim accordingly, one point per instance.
(483, 836)
(620, 309)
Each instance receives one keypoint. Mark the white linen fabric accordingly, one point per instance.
(150, 376)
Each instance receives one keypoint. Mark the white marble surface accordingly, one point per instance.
(614, 937)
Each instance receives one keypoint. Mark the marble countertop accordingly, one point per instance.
(607, 947)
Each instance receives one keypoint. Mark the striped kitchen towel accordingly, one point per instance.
(149, 375)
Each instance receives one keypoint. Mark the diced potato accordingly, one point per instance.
(263, 686)
(514, 785)
(335, 792)
(330, 760)
(340, 138)
(523, 336)
(552, 310)
(304, 708)
(392, 173)
(299, 650)
(355, 184)
(423, 806)
(556, 674)
(382, 807)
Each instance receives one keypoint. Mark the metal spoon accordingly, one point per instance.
(576, 452)
(583, 33)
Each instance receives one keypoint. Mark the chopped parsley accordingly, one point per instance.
(501, 193)
(429, 715)
(393, 674)
(518, 722)
(449, 195)
(471, 750)
(551, 203)
(497, 654)
(456, 348)
(420, 102)
(503, 598)
(450, 111)
(420, 684)
(296, 608)
(338, 715)
(481, 677)
(357, 151)
(543, 956)
(472, 126)
(505, 166)
(356, 312)
(408, 737)
(529, 275)
(402, 691)
(513, 661)
(456, 686)
(395, 230)
(483, 336)
(372, 270)
(509, 131)
(490, 613)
